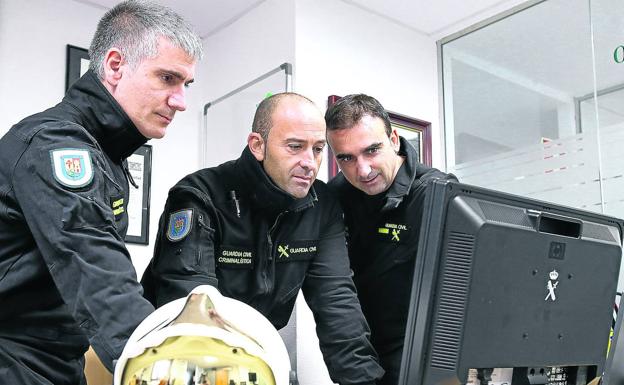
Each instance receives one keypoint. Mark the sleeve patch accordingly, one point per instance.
(72, 167)
(180, 223)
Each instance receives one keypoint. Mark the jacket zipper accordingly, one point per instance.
(269, 283)
(200, 223)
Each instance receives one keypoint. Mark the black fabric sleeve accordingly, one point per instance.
(340, 325)
(75, 231)
(183, 259)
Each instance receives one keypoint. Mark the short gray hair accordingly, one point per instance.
(135, 26)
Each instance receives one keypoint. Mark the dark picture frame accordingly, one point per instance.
(77, 64)
(416, 131)
(138, 206)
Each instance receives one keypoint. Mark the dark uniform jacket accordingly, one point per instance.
(382, 237)
(231, 227)
(66, 279)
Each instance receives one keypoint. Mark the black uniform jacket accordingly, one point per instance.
(231, 227)
(66, 279)
(382, 237)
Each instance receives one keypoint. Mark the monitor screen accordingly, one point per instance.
(509, 290)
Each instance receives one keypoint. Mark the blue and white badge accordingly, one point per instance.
(180, 224)
(72, 167)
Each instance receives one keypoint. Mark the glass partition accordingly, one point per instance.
(533, 103)
(509, 94)
(607, 115)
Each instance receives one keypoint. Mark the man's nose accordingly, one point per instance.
(177, 100)
(363, 169)
(307, 160)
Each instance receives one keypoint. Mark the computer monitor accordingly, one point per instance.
(503, 281)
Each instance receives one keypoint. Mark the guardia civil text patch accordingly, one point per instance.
(180, 223)
(72, 167)
(296, 251)
(117, 204)
(393, 232)
(235, 257)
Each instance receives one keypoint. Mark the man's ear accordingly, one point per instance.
(113, 67)
(256, 145)
(394, 139)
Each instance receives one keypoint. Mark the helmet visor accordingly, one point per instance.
(196, 360)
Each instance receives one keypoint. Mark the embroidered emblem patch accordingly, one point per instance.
(393, 232)
(296, 251)
(235, 257)
(117, 204)
(180, 224)
(72, 167)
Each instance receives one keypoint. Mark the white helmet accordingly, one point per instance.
(204, 339)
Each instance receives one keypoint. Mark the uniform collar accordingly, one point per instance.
(264, 193)
(100, 114)
(404, 178)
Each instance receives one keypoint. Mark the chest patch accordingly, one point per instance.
(393, 232)
(117, 204)
(296, 251)
(180, 224)
(235, 257)
(72, 167)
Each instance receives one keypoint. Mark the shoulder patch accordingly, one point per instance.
(180, 224)
(72, 167)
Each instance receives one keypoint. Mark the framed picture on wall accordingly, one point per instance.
(140, 168)
(416, 131)
(77, 64)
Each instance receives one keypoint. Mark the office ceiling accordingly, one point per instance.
(432, 18)
(435, 18)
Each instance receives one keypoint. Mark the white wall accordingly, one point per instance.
(256, 43)
(342, 49)
(33, 37)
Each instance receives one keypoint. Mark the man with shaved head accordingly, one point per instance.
(261, 227)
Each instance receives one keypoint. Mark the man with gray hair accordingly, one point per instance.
(66, 279)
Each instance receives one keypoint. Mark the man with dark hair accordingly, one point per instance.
(66, 279)
(381, 189)
(260, 228)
